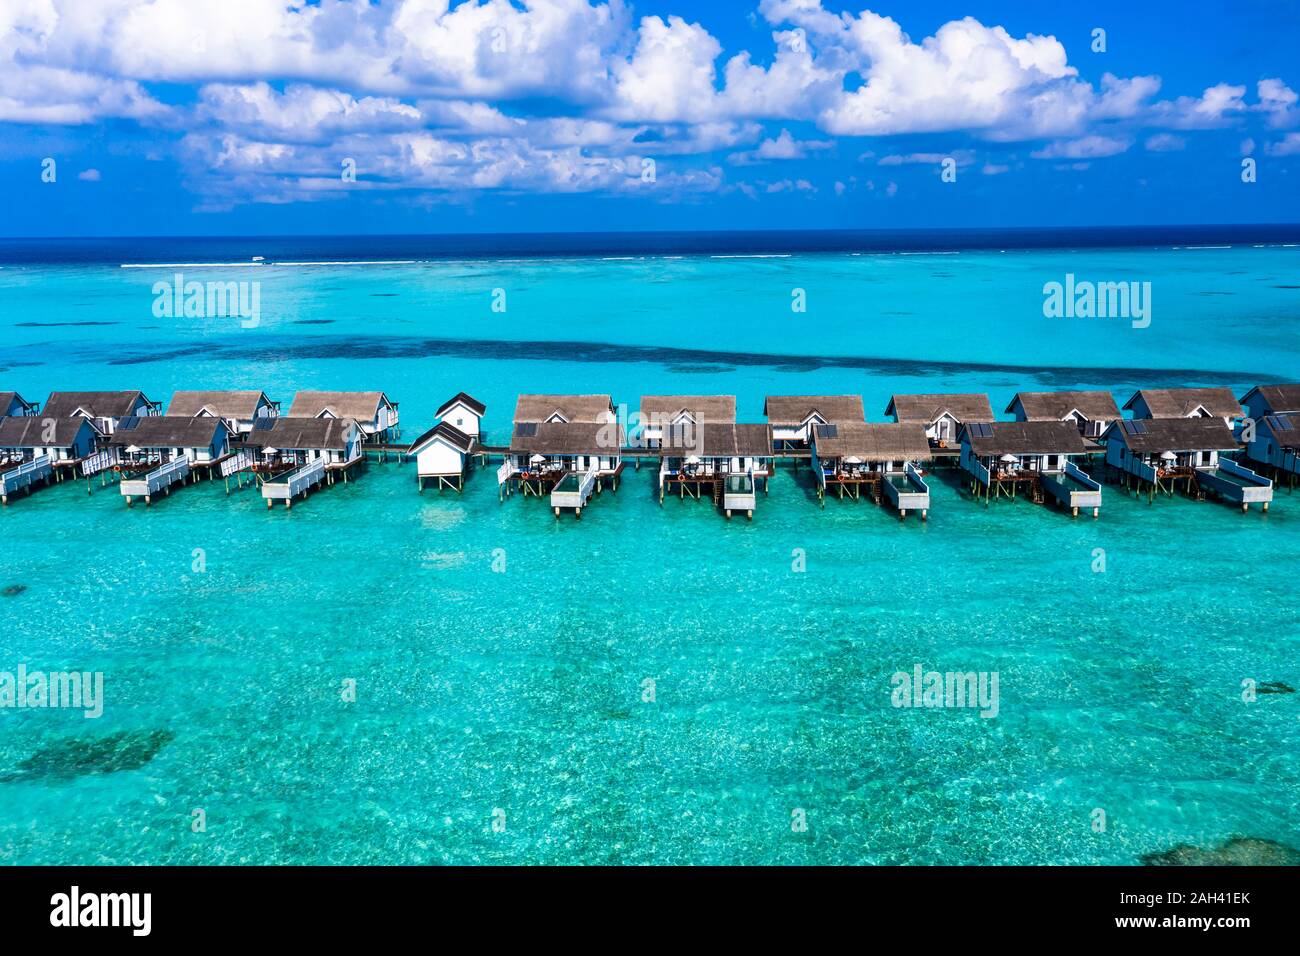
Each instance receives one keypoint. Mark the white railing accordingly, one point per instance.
(297, 482)
(241, 461)
(588, 484)
(505, 471)
(161, 477)
(1081, 476)
(99, 461)
(26, 474)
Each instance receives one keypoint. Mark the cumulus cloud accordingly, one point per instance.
(784, 146)
(1164, 143)
(1086, 147)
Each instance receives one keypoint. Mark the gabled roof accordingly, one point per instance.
(362, 406)
(1181, 402)
(296, 434)
(1172, 434)
(720, 440)
(930, 407)
(29, 431)
(167, 431)
(566, 438)
(1285, 429)
(227, 404)
(573, 408)
(1280, 398)
(702, 409)
(1024, 438)
(450, 434)
(1054, 406)
(94, 404)
(874, 441)
(8, 398)
(464, 398)
(794, 410)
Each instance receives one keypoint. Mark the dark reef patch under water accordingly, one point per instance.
(79, 756)
(1237, 851)
(396, 347)
(13, 590)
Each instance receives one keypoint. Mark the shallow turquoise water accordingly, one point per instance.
(521, 690)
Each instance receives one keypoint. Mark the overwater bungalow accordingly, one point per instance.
(567, 460)
(373, 413)
(1004, 458)
(103, 409)
(793, 417)
(239, 410)
(659, 413)
(943, 414)
(155, 453)
(464, 413)
(1091, 412)
(882, 459)
(13, 405)
(564, 408)
(726, 461)
(1161, 455)
(32, 449)
(291, 455)
(1185, 403)
(1264, 400)
(442, 456)
(1274, 448)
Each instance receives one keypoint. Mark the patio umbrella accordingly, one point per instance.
(1008, 459)
(1168, 456)
(692, 460)
(537, 459)
(853, 460)
(132, 449)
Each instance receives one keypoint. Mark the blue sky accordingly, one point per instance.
(167, 117)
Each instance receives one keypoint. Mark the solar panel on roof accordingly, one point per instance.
(1140, 427)
(130, 421)
(526, 429)
(980, 429)
(826, 431)
(263, 424)
(1280, 424)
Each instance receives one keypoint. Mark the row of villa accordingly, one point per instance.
(1059, 446)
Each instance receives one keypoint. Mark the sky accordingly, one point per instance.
(280, 117)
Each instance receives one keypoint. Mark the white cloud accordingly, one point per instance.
(670, 75)
(1086, 147)
(1279, 101)
(1165, 143)
(1288, 146)
(1212, 109)
(964, 157)
(89, 175)
(784, 146)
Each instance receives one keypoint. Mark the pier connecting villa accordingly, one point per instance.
(881, 459)
(239, 410)
(103, 409)
(1162, 455)
(1091, 412)
(1036, 457)
(153, 454)
(943, 415)
(793, 417)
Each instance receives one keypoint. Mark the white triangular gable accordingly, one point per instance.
(557, 416)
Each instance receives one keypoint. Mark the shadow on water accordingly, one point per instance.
(79, 756)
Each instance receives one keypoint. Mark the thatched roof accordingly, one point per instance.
(1025, 438)
(574, 408)
(1280, 398)
(930, 407)
(95, 404)
(227, 404)
(793, 410)
(703, 409)
(448, 433)
(8, 398)
(1181, 402)
(892, 441)
(1173, 434)
(469, 401)
(296, 434)
(1054, 406)
(720, 440)
(1285, 429)
(167, 431)
(362, 406)
(566, 438)
(29, 431)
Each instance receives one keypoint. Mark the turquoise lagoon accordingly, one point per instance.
(225, 633)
